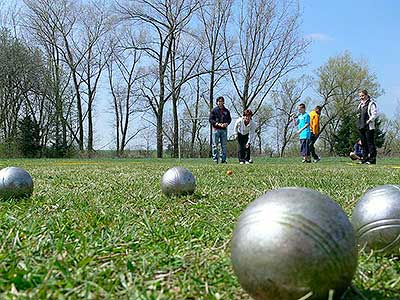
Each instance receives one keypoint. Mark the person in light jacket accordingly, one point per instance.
(245, 132)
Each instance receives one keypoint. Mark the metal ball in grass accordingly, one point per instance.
(376, 219)
(15, 183)
(293, 242)
(178, 181)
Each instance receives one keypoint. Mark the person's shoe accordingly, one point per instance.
(247, 162)
(250, 161)
(371, 162)
(317, 159)
(308, 161)
(242, 163)
(363, 162)
(215, 161)
(224, 162)
(303, 161)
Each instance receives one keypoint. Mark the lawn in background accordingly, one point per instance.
(101, 229)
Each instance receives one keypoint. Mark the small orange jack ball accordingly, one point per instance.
(229, 172)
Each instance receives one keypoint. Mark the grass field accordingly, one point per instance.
(102, 229)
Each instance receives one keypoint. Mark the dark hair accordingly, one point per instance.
(220, 98)
(302, 105)
(365, 92)
(318, 107)
(248, 112)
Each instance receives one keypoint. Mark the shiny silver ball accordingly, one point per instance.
(376, 219)
(178, 181)
(15, 183)
(292, 242)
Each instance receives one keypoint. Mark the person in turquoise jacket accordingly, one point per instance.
(302, 121)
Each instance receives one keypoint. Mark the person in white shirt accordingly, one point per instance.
(245, 132)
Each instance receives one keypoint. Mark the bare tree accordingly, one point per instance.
(164, 20)
(285, 102)
(96, 23)
(214, 16)
(77, 40)
(268, 47)
(195, 113)
(263, 119)
(123, 75)
(39, 23)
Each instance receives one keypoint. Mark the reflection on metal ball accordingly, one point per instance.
(292, 242)
(15, 183)
(178, 181)
(376, 219)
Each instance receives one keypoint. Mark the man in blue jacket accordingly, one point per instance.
(220, 118)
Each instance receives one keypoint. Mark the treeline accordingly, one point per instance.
(162, 64)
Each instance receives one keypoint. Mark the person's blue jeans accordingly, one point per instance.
(219, 136)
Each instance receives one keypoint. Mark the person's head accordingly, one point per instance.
(220, 101)
(318, 109)
(247, 114)
(363, 95)
(359, 142)
(301, 108)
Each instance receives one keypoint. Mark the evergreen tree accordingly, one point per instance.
(348, 135)
(29, 137)
(379, 134)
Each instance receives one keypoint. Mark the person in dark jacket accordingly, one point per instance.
(367, 114)
(220, 118)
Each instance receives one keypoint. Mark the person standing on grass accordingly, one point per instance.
(314, 127)
(302, 121)
(220, 118)
(245, 132)
(367, 113)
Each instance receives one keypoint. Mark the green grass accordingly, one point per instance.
(102, 229)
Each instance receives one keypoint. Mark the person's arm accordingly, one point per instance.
(373, 113)
(315, 124)
(252, 133)
(294, 118)
(237, 126)
(229, 117)
(212, 118)
(304, 127)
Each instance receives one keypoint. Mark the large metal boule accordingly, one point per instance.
(292, 242)
(376, 219)
(15, 183)
(178, 181)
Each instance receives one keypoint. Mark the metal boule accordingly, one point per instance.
(293, 242)
(15, 183)
(376, 219)
(178, 181)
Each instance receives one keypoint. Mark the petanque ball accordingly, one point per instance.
(294, 242)
(229, 172)
(376, 219)
(178, 181)
(15, 183)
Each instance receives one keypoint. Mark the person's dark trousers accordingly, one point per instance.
(313, 139)
(243, 153)
(368, 144)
